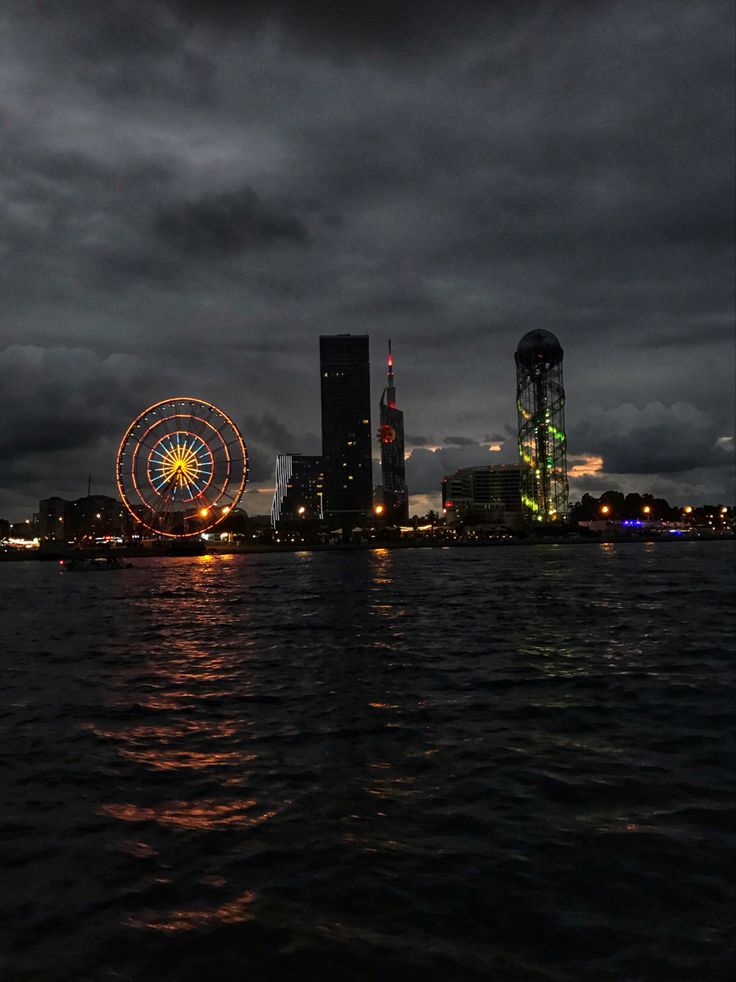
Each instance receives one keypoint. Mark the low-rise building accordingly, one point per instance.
(54, 515)
(487, 495)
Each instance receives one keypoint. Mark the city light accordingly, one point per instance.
(378, 509)
(646, 509)
(204, 512)
(301, 510)
(605, 509)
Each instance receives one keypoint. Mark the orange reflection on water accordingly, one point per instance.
(189, 760)
(217, 729)
(233, 912)
(172, 698)
(171, 746)
(207, 814)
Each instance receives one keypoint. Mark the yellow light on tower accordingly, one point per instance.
(226, 509)
(204, 512)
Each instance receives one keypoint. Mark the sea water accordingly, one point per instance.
(459, 763)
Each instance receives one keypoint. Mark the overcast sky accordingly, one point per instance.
(192, 192)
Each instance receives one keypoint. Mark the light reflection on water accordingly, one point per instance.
(187, 815)
(235, 911)
(426, 762)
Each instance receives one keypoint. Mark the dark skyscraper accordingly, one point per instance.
(540, 400)
(346, 428)
(391, 438)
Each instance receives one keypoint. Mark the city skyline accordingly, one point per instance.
(192, 195)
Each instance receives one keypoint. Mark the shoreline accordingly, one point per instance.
(256, 549)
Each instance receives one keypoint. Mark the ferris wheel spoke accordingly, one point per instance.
(204, 422)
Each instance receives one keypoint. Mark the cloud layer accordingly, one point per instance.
(192, 193)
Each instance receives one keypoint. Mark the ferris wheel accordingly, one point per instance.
(181, 467)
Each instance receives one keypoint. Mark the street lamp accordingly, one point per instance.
(647, 509)
(605, 509)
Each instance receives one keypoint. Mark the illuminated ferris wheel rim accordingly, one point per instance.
(181, 467)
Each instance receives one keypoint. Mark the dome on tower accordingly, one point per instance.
(539, 347)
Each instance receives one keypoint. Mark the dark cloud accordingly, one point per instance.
(56, 395)
(268, 436)
(70, 408)
(369, 27)
(654, 440)
(459, 441)
(227, 224)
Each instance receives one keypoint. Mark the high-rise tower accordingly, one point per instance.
(540, 400)
(391, 439)
(346, 428)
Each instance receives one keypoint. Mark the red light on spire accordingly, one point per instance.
(390, 390)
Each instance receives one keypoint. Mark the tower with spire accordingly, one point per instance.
(394, 494)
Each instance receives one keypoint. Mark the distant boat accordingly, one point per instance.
(93, 564)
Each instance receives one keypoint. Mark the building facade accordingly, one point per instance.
(93, 517)
(483, 495)
(540, 402)
(393, 491)
(346, 428)
(54, 519)
(299, 494)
